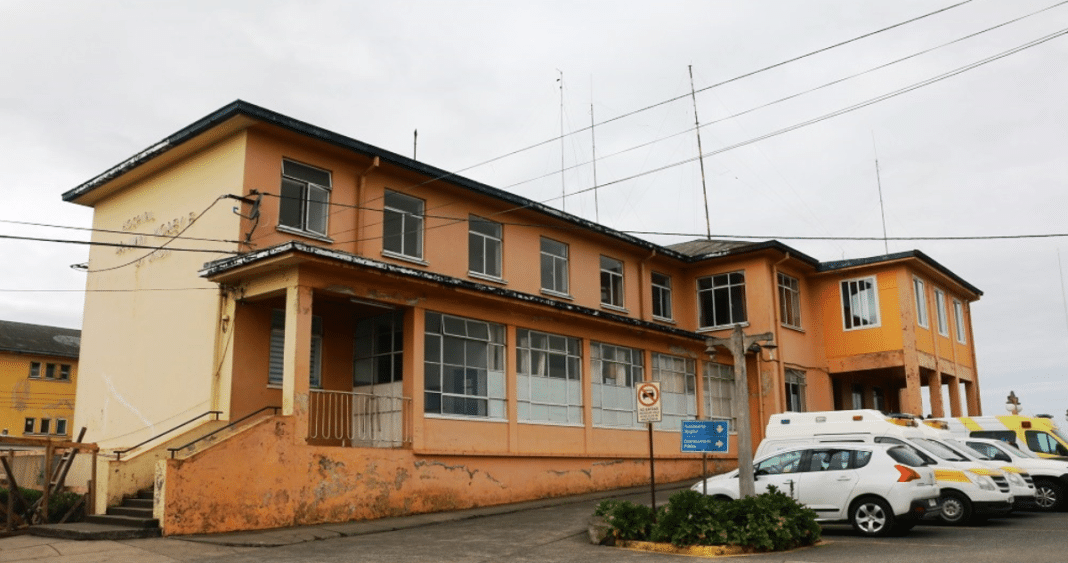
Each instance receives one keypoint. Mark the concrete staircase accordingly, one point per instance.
(129, 520)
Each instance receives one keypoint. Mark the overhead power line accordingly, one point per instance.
(115, 244)
(112, 231)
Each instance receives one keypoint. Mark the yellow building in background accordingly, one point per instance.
(403, 339)
(38, 377)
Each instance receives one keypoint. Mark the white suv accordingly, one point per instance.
(879, 489)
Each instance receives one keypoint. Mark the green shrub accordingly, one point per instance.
(58, 504)
(771, 521)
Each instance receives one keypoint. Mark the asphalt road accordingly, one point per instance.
(558, 534)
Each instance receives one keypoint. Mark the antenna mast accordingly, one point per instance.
(700, 155)
(563, 189)
(879, 182)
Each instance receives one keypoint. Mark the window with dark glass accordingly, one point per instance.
(305, 199)
(554, 266)
(484, 247)
(789, 301)
(721, 299)
(402, 225)
(35, 369)
(661, 296)
(795, 390)
(611, 282)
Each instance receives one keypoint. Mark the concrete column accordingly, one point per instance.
(971, 394)
(414, 374)
(297, 363)
(954, 397)
(934, 391)
(911, 399)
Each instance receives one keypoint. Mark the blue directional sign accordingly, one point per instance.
(705, 436)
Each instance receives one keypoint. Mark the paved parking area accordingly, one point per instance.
(556, 532)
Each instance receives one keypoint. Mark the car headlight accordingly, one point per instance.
(984, 482)
(1015, 479)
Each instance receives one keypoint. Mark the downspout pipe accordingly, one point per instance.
(361, 183)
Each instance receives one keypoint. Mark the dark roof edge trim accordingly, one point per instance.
(27, 352)
(219, 266)
(856, 262)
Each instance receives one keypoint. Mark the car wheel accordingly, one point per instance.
(956, 508)
(872, 517)
(723, 498)
(1049, 495)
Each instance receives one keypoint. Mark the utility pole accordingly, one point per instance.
(738, 344)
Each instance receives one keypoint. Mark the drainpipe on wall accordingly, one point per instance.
(641, 288)
(776, 327)
(361, 182)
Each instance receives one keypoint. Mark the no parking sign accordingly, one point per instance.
(649, 401)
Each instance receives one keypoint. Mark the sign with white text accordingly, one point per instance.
(708, 436)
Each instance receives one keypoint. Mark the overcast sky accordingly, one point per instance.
(979, 153)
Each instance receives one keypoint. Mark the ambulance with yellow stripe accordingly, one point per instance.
(1038, 435)
(970, 491)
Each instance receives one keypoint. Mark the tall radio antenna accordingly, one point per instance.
(700, 155)
(879, 182)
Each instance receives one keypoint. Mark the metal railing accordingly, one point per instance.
(118, 453)
(359, 419)
(228, 426)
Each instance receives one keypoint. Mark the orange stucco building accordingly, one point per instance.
(433, 343)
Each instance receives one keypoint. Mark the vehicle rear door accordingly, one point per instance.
(828, 482)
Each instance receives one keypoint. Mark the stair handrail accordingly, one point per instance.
(118, 453)
(231, 425)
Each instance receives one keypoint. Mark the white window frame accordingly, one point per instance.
(307, 190)
(940, 313)
(795, 389)
(869, 307)
(958, 318)
(276, 354)
(35, 370)
(919, 292)
(736, 299)
(662, 297)
(678, 389)
(614, 403)
(554, 267)
(548, 378)
(718, 392)
(29, 426)
(403, 223)
(378, 350)
(46, 426)
(484, 248)
(611, 282)
(789, 301)
(465, 347)
(61, 427)
(64, 372)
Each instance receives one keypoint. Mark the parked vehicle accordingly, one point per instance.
(878, 489)
(1038, 435)
(1050, 475)
(970, 490)
(1021, 484)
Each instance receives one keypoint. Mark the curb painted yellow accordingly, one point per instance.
(698, 550)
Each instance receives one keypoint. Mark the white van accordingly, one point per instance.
(1038, 435)
(1050, 475)
(970, 491)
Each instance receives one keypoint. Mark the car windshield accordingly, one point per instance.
(965, 449)
(1015, 451)
(937, 449)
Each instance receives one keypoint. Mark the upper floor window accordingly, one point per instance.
(789, 301)
(35, 369)
(795, 390)
(46, 425)
(940, 312)
(29, 426)
(860, 303)
(554, 266)
(402, 225)
(548, 377)
(305, 200)
(958, 321)
(611, 282)
(920, 293)
(61, 427)
(721, 299)
(484, 247)
(662, 296)
(464, 367)
(276, 355)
